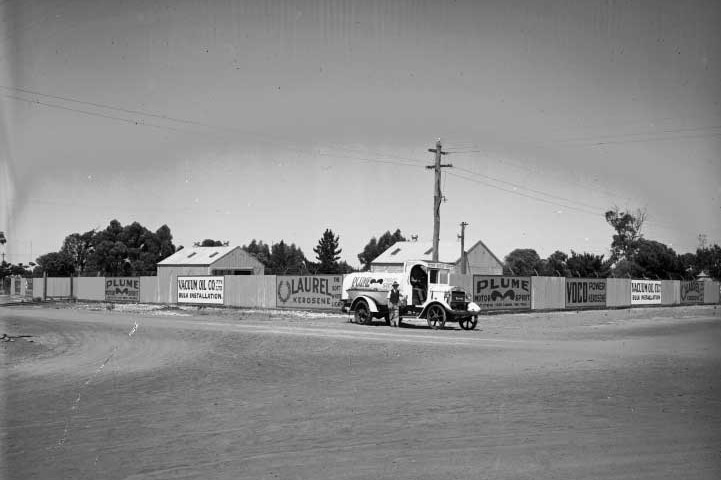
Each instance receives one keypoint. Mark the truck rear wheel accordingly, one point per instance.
(468, 323)
(362, 313)
(436, 317)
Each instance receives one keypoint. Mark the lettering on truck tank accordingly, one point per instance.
(365, 282)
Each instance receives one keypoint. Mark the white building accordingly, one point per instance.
(479, 259)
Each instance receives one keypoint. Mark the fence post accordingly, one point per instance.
(45, 286)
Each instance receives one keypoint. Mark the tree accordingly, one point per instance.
(212, 243)
(9, 269)
(689, 264)
(78, 246)
(522, 262)
(658, 260)
(56, 264)
(587, 265)
(628, 232)
(709, 261)
(555, 265)
(286, 259)
(118, 250)
(652, 259)
(260, 251)
(377, 246)
(165, 242)
(344, 267)
(328, 253)
(627, 269)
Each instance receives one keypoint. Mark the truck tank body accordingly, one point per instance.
(371, 284)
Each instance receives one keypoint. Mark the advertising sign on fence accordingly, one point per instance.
(122, 289)
(502, 293)
(316, 291)
(692, 292)
(28, 287)
(645, 292)
(585, 292)
(201, 289)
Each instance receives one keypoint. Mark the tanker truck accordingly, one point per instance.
(425, 294)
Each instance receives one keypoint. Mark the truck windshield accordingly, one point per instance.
(438, 276)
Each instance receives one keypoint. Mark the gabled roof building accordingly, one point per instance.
(203, 261)
(479, 258)
(212, 261)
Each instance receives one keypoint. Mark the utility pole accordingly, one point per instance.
(437, 195)
(462, 236)
(3, 241)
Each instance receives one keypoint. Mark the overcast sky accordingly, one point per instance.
(277, 120)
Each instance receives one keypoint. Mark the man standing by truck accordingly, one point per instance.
(394, 300)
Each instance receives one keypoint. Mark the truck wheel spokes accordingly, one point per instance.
(436, 317)
(468, 323)
(362, 313)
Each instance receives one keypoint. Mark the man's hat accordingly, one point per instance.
(395, 283)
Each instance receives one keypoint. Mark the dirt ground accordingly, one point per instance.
(148, 393)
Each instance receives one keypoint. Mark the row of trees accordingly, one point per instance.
(283, 259)
(631, 256)
(115, 251)
(135, 250)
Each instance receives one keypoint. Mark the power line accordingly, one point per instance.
(143, 123)
(407, 161)
(605, 192)
(515, 192)
(259, 136)
(94, 114)
(110, 107)
(528, 188)
(593, 140)
(636, 134)
(410, 162)
(661, 139)
(551, 202)
(373, 160)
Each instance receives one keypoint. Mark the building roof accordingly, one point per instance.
(198, 256)
(401, 252)
(448, 252)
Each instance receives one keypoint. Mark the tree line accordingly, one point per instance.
(134, 250)
(631, 255)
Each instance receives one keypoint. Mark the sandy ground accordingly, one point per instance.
(149, 393)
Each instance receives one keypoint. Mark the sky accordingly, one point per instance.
(275, 120)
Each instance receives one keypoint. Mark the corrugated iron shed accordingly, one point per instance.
(479, 257)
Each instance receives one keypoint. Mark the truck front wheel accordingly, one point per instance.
(468, 323)
(436, 317)
(362, 313)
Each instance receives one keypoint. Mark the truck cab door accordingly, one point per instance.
(418, 279)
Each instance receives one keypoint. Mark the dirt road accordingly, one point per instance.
(258, 395)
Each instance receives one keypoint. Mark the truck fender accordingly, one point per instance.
(372, 306)
(425, 308)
